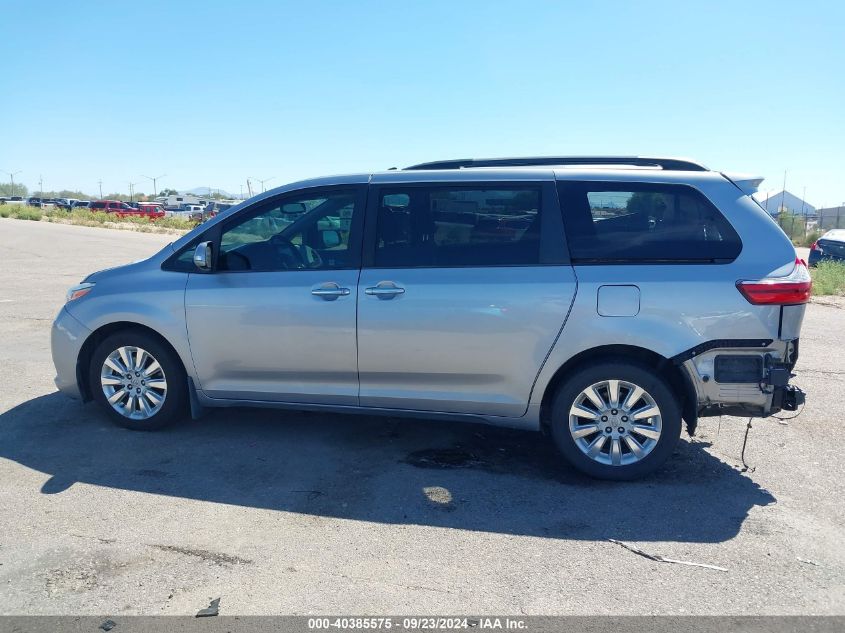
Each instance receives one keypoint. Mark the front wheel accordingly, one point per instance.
(138, 380)
(616, 420)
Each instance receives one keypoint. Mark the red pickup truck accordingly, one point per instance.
(122, 210)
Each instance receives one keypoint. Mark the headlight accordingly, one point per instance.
(79, 290)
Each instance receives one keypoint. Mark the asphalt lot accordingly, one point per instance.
(282, 513)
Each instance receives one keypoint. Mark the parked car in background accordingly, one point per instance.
(199, 216)
(194, 211)
(65, 203)
(831, 246)
(601, 299)
(124, 209)
(41, 203)
(20, 200)
(111, 206)
(182, 212)
(212, 209)
(81, 204)
(150, 209)
(215, 206)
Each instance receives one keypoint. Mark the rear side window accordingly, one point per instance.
(458, 226)
(98, 205)
(641, 222)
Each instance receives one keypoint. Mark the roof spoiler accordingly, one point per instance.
(746, 183)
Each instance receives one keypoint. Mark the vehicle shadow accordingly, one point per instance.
(385, 470)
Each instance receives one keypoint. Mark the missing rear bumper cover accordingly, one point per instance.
(728, 368)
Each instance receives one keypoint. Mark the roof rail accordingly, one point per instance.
(636, 161)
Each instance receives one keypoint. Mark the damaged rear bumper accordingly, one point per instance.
(747, 378)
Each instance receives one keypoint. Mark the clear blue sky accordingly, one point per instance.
(211, 93)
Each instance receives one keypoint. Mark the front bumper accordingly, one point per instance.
(66, 339)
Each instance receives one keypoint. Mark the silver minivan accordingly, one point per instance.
(601, 300)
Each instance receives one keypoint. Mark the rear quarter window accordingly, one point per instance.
(644, 223)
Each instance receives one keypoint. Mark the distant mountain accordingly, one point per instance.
(203, 191)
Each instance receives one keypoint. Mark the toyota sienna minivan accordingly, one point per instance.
(602, 300)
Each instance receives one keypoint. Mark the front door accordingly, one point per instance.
(467, 288)
(275, 319)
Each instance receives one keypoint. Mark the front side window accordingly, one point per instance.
(435, 226)
(641, 222)
(294, 233)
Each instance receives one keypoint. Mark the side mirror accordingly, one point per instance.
(202, 256)
(331, 238)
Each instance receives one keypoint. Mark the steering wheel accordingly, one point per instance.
(288, 252)
(312, 257)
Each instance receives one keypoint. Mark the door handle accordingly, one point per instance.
(330, 291)
(384, 291)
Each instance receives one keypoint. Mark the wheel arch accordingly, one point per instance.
(100, 334)
(675, 375)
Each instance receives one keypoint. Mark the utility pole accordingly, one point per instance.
(803, 197)
(12, 175)
(132, 192)
(249, 187)
(40, 186)
(242, 192)
(155, 188)
(263, 188)
(100, 183)
(783, 193)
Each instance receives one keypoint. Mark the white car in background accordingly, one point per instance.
(185, 212)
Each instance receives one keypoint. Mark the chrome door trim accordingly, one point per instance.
(330, 291)
(384, 290)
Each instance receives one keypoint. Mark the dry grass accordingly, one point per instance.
(85, 217)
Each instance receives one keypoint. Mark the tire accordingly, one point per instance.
(153, 396)
(631, 448)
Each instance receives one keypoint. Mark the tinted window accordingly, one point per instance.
(310, 232)
(98, 205)
(636, 222)
(457, 226)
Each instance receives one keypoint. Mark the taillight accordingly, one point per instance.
(815, 247)
(793, 289)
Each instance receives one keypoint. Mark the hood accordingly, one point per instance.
(108, 273)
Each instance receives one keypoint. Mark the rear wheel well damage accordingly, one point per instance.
(100, 334)
(674, 374)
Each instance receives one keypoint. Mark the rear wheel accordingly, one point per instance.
(138, 380)
(616, 420)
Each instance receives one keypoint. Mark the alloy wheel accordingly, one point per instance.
(133, 382)
(615, 422)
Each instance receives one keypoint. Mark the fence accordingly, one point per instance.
(806, 229)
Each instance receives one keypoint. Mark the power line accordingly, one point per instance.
(154, 179)
(12, 175)
(263, 188)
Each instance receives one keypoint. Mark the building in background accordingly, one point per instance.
(831, 217)
(776, 202)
